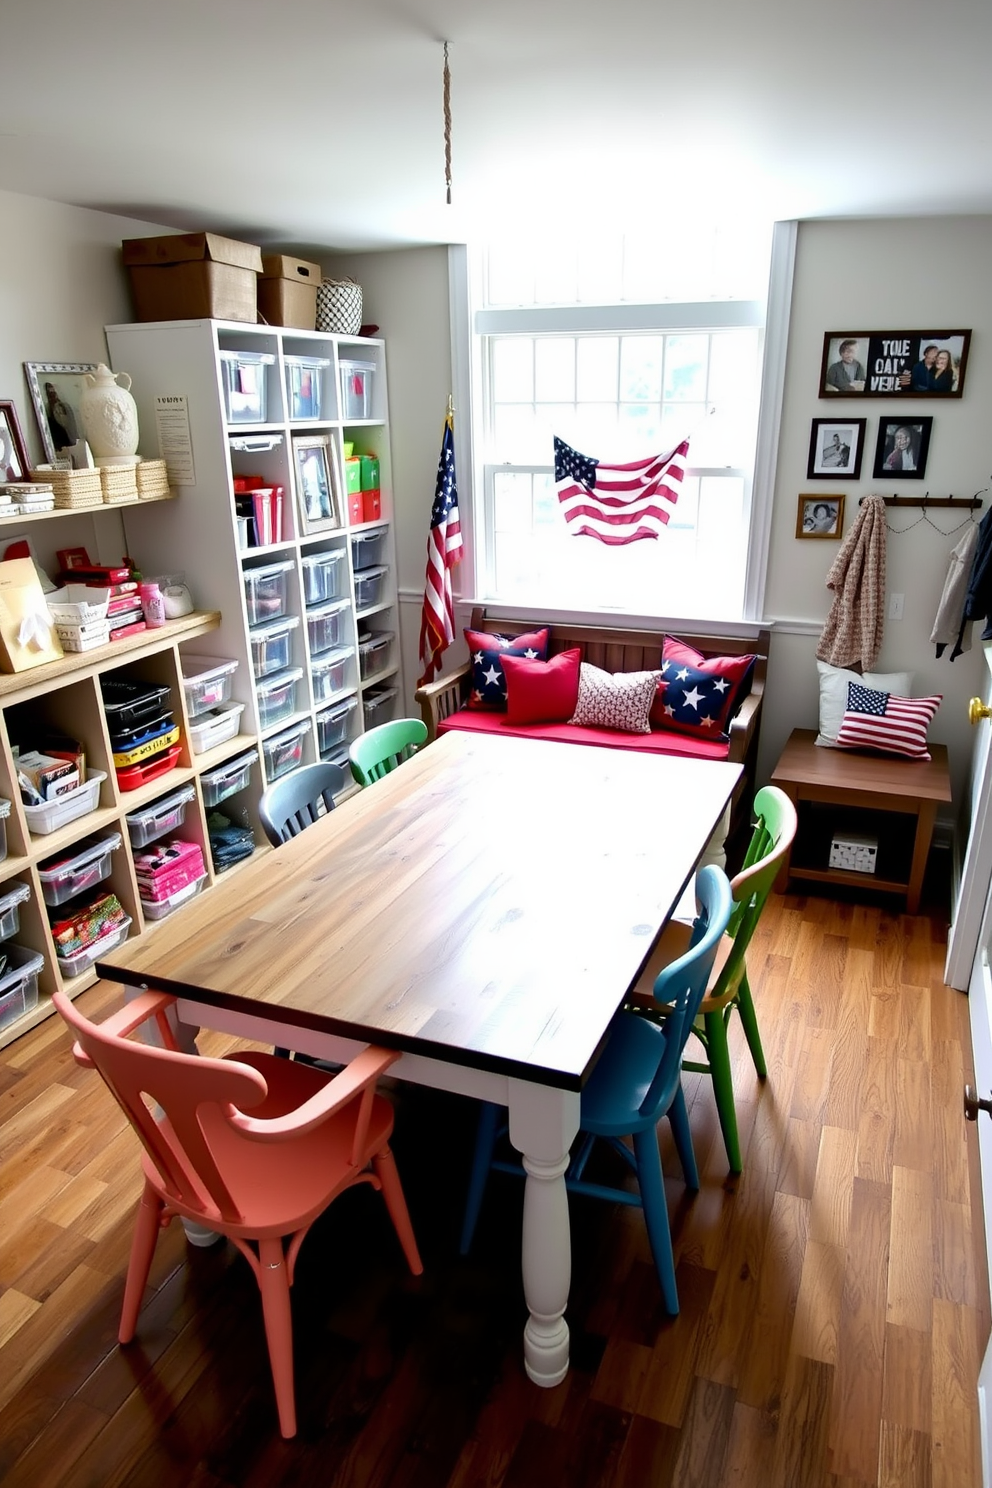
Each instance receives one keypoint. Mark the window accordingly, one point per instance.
(618, 381)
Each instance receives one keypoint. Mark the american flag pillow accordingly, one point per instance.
(886, 722)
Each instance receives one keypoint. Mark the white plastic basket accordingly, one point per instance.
(51, 815)
(77, 604)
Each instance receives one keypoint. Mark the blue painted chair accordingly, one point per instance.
(294, 802)
(635, 1083)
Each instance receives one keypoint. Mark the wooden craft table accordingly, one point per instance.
(865, 782)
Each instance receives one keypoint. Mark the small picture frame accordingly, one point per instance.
(14, 462)
(317, 497)
(902, 448)
(835, 449)
(56, 388)
(820, 516)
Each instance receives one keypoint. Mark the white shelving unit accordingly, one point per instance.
(199, 534)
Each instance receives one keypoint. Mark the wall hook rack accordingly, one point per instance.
(959, 503)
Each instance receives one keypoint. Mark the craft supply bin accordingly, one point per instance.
(284, 752)
(267, 591)
(324, 576)
(81, 869)
(207, 682)
(160, 818)
(329, 672)
(272, 645)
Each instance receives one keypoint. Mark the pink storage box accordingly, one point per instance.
(166, 869)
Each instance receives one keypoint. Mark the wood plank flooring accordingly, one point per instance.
(834, 1306)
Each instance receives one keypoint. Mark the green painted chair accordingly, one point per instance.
(379, 750)
(728, 987)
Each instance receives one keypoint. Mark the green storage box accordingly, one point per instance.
(370, 472)
(353, 474)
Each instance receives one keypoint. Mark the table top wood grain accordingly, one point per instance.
(489, 904)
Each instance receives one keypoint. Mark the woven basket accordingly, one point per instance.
(118, 484)
(153, 479)
(72, 488)
(339, 307)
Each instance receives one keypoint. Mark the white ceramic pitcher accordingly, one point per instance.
(109, 417)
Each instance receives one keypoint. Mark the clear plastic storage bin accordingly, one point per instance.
(163, 907)
(368, 548)
(160, 818)
(207, 682)
(356, 389)
(373, 652)
(369, 586)
(323, 576)
(83, 959)
(377, 705)
(277, 697)
(304, 384)
(215, 728)
(340, 758)
(325, 626)
(267, 591)
(51, 815)
(245, 380)
(19, 984)
(284, 752)
(329, 673)
(272, 645)
(233, 775)
(333, 725)
(10, 917)
(83, 867)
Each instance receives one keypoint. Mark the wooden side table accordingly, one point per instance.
(861, 784)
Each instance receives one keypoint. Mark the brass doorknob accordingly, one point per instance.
(977, 710)
(973, 1104)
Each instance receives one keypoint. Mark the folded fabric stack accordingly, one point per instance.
(228, 843)
(89, 922)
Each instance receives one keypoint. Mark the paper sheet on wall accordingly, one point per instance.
(174, 442)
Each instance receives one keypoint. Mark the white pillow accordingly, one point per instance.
(833, 695)
(615, 700)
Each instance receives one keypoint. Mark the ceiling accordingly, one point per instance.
(320, 125)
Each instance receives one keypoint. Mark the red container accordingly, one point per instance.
(371, 505)
(133, 776)
(355, 506)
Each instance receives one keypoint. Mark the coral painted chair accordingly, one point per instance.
(294, 802)
(774, 830)
(379, 750)
(635, 1082)
(252, 1146)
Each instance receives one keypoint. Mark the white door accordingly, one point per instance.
(980, 1011)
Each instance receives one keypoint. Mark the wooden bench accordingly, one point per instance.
(615, 649)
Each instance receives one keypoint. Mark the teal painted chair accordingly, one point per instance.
(729, 990)
(635, 1083)
(379, 750)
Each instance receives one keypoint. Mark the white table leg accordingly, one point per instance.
(543, 1124)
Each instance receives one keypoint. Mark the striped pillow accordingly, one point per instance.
(887, 722)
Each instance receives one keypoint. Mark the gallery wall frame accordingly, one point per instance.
(820, 516)
(902, 447)
(894, 364)
(835, 448)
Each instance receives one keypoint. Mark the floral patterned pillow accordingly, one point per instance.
(615, 700)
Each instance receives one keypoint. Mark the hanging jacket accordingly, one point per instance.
(978, 599)
(948, 626)
(852, 635)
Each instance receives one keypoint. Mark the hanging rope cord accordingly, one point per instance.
(447, 126)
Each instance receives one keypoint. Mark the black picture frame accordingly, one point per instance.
(890, 363)
(835, 448)
(890, 442)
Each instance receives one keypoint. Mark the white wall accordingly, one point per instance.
(884, 274)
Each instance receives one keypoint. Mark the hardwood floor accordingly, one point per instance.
(834, 1308)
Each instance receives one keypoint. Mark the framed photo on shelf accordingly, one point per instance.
(14, 463)
(317, 496)
(835, 449)
(894, 364)
(820, 516)
(56, 388)
(901, 449)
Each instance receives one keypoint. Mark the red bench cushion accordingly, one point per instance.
(656, 742)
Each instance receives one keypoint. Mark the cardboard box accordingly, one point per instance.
(287, 291)
(193, 276)
(27, 630)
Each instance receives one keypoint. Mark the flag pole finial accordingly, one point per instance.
(451, 409)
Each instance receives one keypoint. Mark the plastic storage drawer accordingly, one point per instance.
(369, 587)
(272, 645)
(19, 984)
(160, 817)
(323, 576)
(267, 591)
(174, 901)
(325, 626)
(127, 704)
(134, 776)
(277, 697)
(227, 778)
(373, 652)
(304, 385)
(368, 548)
(245, 379)
(284, 752)
(87, 865)
(329, 671)
(207, 682)
(333, 725)
(356, 389)
(10, 918)
(51, 815)
(215, 728)
(83, 959)
(377, 705)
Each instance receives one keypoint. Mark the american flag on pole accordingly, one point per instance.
(618, 503)
(444, 550)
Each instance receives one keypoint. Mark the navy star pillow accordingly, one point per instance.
(691, 701)
(488, 690)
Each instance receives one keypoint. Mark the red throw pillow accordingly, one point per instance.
(542, 691)
(722, 681)
(486, 653)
